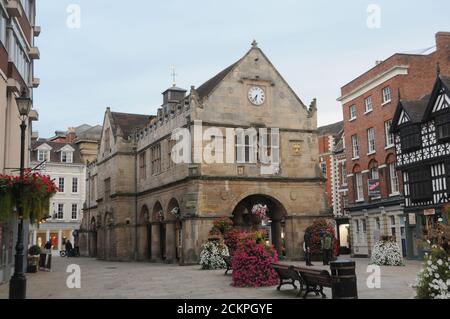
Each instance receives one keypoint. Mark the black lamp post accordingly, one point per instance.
(18, 282)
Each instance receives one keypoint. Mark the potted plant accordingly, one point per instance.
(33, 259)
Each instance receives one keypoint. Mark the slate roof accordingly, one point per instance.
(206, 88)
(416, 109)
(93, 134)
(332, 129)
(128, 123)
(55, 155)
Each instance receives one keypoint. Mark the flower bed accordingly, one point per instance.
(387, 253)
(211, 257)
(433, 282)
(34, 200)
(252, 265)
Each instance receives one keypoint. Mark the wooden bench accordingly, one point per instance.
(288, 276)
(227, 260)
(314, 280)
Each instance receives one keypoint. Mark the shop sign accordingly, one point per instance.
(429, 212)
(412, 219)
(374, 188)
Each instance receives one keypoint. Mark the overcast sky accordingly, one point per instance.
(121, 55)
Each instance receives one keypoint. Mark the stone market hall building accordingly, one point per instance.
(142, 206)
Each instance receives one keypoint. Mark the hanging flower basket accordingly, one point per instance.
(32, 194)
(176, 212)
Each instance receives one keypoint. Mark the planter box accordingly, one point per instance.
(32, 264)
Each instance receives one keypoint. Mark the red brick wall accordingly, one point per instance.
(419, 81)
(325, 156)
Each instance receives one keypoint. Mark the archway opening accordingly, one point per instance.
(144, 234)
(93, 238)
(160, 231)
(174, 235)
(244, 219)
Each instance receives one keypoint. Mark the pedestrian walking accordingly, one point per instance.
(69, 248)
(327, 247)
(307, 248)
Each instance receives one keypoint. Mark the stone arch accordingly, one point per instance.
(277, 214)
(108, 225)
(174, 231)
(144, 234)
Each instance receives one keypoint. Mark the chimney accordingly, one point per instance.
(71, 135)
(442, 41)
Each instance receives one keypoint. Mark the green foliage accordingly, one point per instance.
(34, 251)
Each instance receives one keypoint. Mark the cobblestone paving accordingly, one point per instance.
(114, 280)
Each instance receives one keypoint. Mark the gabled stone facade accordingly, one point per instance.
(143, 206)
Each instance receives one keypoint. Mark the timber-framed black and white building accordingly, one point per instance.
(422, 134)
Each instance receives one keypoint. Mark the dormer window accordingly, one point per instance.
(66, 157)
(43, 156)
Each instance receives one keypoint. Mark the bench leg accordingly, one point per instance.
(322, 293)
(300, 290)
(293, 284)
(308, 291)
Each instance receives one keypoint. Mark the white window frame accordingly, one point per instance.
(359, 187)
(394, 181)
(371, 140)
(66, 157)
(344, 174)
(74, 206)
(355, 146)
(353, 112)
(63, 180)
(75, 182)
(389, 137)
(387, 95)
(368, 103)
(60, 212)
(43, 155)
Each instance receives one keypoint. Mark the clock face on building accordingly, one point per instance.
(256, 95)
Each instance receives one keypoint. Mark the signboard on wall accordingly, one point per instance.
(374, 188)
(412, 219)
(429, 212)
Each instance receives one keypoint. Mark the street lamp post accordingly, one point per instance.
(18, 283)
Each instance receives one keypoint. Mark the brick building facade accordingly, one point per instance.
(369, 103)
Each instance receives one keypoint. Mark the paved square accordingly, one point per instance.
(112, 280)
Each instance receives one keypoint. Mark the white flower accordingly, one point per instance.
(440, 262)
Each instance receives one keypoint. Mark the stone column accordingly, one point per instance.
(156, 249)
(47, 235)
(170, 243)
(276, 235)
(34, 237)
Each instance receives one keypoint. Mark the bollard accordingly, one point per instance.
(344, 282)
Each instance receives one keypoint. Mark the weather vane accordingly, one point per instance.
(174, 76)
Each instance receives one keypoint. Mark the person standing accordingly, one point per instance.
(69, 248)
(327, 246)
(307, 248)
